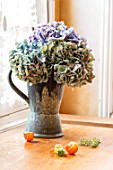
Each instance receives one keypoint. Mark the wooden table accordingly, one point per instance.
(17, 154)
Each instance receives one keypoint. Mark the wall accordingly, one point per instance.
(85, 16)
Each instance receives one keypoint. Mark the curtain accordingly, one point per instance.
(17, 17)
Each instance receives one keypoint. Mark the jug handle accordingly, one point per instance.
(20, 93)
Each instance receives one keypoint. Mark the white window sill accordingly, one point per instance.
(14, 119)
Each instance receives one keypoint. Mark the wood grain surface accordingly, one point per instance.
(17, 154)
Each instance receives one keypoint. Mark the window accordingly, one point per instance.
(17, 17)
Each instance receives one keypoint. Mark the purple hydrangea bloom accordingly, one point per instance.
(54, 31)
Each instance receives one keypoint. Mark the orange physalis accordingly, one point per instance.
(72, 148)
(29, 136)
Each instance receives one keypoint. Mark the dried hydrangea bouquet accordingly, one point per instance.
(53, 55)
